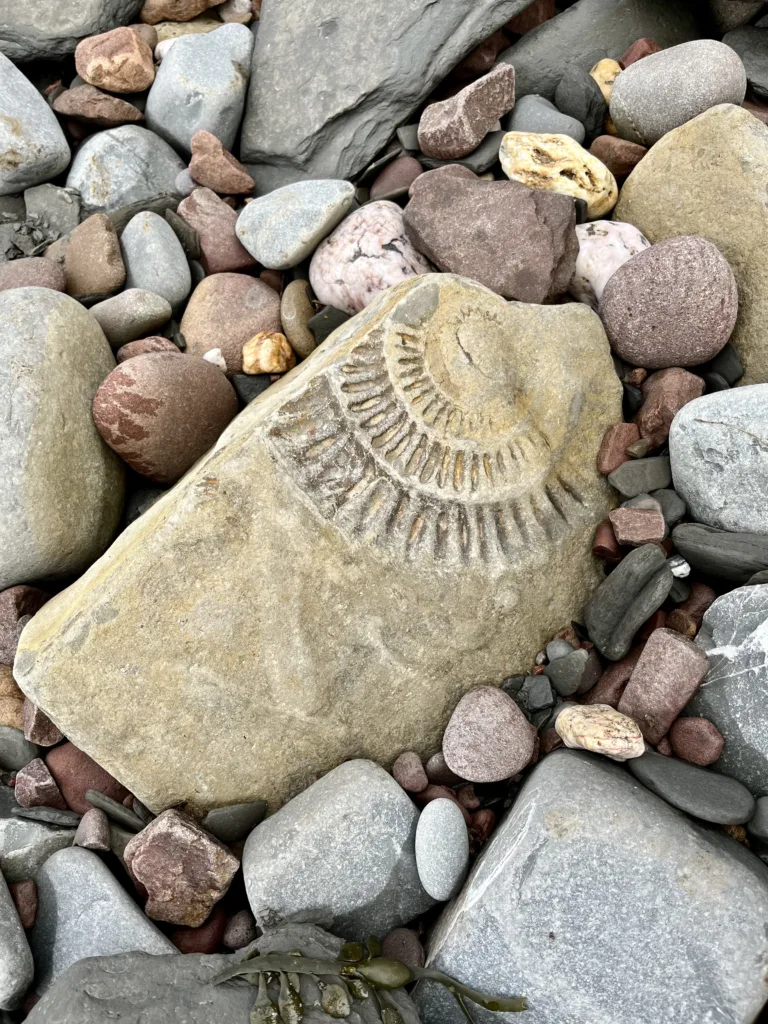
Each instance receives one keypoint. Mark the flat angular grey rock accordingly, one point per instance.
(16, 966)
(718, 447)
(558, 908)
(591, 29)
(154, 258)
(375, 71)
(84, 911)
(537, 114)
(31, 29)
(296, 863)
(287, 225)
(24, 844)
(664, 90)
(124, 166)
(200, 86)
(728, 556)
(734, 694)
(31, 140)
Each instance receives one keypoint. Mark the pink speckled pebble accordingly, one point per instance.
(366, 254)
(488, 737)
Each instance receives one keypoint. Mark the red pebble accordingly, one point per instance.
(436, 793)
(75, 773)
(610, 685)
(24, 895)
(698, 601)
(482, 824)
(605, 545)
(613, 448)
(205, 939)
(639, 49)
(696, 740)
(664, 747)
(532, 16)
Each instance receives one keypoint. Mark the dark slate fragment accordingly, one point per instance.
(577, 672)
(715, 382)
(728, 364)
(118, 812)
(579, 96)
(636, 588)
(704, 794)
(186, 234)
(249, 386)
(325, 322)
(479, 160)
(50, 815)
(229, 824)
(751, 44)
(641, 476)
(727, 556)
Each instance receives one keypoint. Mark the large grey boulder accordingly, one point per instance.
(135, 988)
(341, 854)
(734, 634)
(718, 447)
(329, 88)
(32, 143)
(25, 845)
(124, 166)
(84, 911)
(62, 491)
(592, 29)
(16, 966)
(30, 29)
(603, 905)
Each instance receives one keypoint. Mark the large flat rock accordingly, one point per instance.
(603, 905)
(329, 88)
(30, 29)
(406, 515)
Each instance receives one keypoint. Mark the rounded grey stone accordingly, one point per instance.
(758, 823)
(201, 85)
(297, 862)
(123, 166)
(559, 649)
(62, 493)
(718, 447)
(134, 313)
(16, 966)
(536, 114)
(286, 226)
(641, 476)
(673, 508)
(154, 258)
(705, 794)
(84, 911)
(442, 848)
(751, 44)
(36, 29)
(666, 89)
(31, 140)
(15, 751)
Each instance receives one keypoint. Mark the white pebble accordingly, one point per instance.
(162, 48)
(680, 568)
(216, 357)
(604, 246)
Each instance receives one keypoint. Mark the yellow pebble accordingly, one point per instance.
(268, 352)
(604, 73)
(557, 163)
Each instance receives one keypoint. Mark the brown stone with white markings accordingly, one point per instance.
(455, 127)
(118, 60)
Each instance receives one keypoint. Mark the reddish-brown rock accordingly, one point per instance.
(204, 939)
(36, 787)
(438, 772)
(24, 895)
(37, 726)
(220, 249)
(488, 737)
(227, 310)
(403, 944)
(639, 49)
(483, 57)
(517, 241)
(666, 676)
(409, 772)
(636, 526)
(535, 14)
(696, 740)
(11, 700)
(610, 686)
(155, 11)
(433, 792)
(93, 831)
(145, 345)
(32, 272)
(75, 773)
(93, 261)
(759, 110)
(664, 747)
(118, 61)
(161, 412)
(91, 106)
(605, 545)
(613, 448)
(400, 174)
(184, 869)
(697, 602)
(664, 395)
(620, 156)
(455, 127)
(214, 167)
(17, 605)
(683, 623)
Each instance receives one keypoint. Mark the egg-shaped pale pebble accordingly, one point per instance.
(604, 245)
(366, 254)
(558, 163)
(442, 848)
(605, 73)
(601, 729)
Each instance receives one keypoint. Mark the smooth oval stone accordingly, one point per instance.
(604, 246)
(719, 466)
(154, 258)
(601, 729)
(704, 794)
(488, 737)
(235, 822)
(558, 164)
(160, 413)
(284, 227)
(674, 304)
(32, 143)
(664, 90)
(442, 849)
(296, 310)
(200, 86)
(129, 315)
(366, 254)
(62, 492)
(123, 166)
(751, 44)
(537, 114)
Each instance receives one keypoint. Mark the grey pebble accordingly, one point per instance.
(15, 751)
(758, 823)
(16, 966)
(535, 694)
(49, 815)
(641, 476)
(673, 508)
(579, 96)
(728, 556)
(249, 386)
(442, 848)
(680, 591)
(324, 323)
(28, 33)
(408, 137)
(751, 44)
(133, 313)
(54, 206)
(727, 363)
(154, 259)
(576, 673)
(559, 649)
(186, 234)
(707, 795)
(229, 824)
(25, 844)
(758, 578)
(536, 114)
